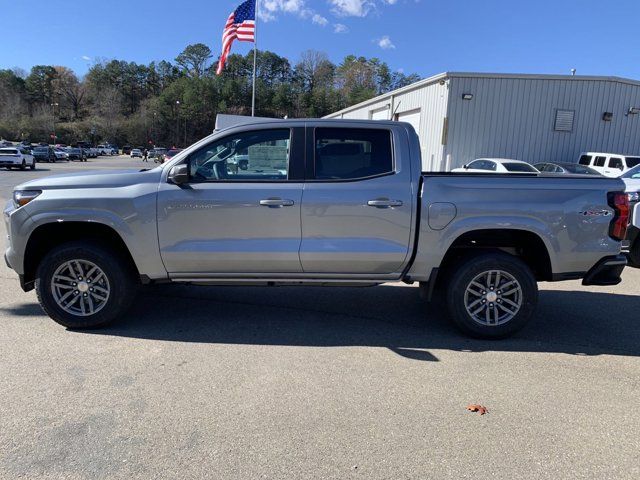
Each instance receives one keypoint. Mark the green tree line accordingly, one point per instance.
(175, 103)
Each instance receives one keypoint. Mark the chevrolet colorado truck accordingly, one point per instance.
(313, 202)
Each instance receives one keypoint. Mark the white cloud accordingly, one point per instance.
(319, 20)
(85, 58)
(390, 2)
(340, 28)
(289, 6)
(351, 8)
(385, 43)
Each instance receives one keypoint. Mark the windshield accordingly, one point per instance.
(519, 167)
(8, 151)
(40, 149)
(633, 173)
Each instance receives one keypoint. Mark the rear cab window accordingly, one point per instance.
(352, 153)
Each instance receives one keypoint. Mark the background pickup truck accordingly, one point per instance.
(320, 202)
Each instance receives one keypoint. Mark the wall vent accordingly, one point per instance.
(564, 120)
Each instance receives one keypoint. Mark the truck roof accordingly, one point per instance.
(227, 121)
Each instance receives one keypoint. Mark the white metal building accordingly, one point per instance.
(463, 116)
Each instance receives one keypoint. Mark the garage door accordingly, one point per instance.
(412, 117)
(380, 114)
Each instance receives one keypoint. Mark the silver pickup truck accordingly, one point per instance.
(313, 202)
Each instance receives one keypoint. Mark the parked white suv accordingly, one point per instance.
(608, 164)
(17, 157)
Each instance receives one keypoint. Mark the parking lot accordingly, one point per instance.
(244, 382)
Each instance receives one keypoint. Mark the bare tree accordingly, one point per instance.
(70, 89)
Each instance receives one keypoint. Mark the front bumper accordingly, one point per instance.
(607, 271)
(10, 164)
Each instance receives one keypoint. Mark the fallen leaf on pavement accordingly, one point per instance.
(477, 408)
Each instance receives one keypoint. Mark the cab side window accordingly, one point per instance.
(585, 160)
(599, 161)
(616, 162)
(351, 153)
(260, 155)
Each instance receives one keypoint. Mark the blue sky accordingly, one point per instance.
(422, 36)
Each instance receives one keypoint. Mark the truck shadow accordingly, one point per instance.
(572, 322)
(391, 316)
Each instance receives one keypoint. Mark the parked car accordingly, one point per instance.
(16, 157)
(126, 150)
(61, 154)
(136, 152)
(76, 153)
(497, 165)
(608, 164)
(170, 154)
(368, 216)
(631, 180)
(156, 154)
(106, 149)
(44, 154)
(565, 168)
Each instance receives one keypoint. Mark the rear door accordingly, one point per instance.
(615, 167)
(357, 201)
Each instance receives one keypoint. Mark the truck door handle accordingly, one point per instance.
(384, 203)
(276, 202)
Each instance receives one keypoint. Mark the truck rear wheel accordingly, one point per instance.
(84, 285)
(491, 295)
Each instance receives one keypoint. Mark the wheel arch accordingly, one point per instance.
(521, 243)
(47, 236)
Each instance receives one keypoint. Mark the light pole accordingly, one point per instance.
(177, 122)
(153, 129)
(53, 114)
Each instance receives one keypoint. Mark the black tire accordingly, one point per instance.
(121, 279)
(33, 165)
(471, 268)
(24, 165)
(634, 254)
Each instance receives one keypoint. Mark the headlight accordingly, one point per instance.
(633, 196)
(22, 197)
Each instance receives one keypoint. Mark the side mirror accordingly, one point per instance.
(465, 166)
(179, 174)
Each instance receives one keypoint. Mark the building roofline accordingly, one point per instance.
(446, 75)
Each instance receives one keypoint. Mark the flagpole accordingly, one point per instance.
(255, 56)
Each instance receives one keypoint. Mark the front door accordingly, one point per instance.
(357, 203)
(240, 211)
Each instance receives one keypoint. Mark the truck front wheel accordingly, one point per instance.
(84, 285)
(492, 295)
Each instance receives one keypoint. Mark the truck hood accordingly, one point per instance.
(94, 179)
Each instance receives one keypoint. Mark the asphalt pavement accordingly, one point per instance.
(315, 383)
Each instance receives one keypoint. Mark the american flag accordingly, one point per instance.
(241, 24)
